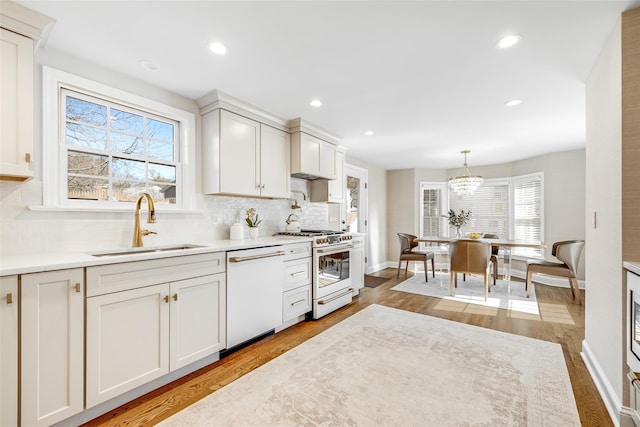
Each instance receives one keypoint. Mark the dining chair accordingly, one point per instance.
(408, 252)
(469, 257)
(568, 253)
(494, 255)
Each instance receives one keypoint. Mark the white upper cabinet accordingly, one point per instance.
(21, 30)
(330, 191)
(243, 157)
(16, 106)
(312, 157)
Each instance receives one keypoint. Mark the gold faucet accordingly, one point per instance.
(137, 231)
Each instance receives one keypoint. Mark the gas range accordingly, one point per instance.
(321, 238)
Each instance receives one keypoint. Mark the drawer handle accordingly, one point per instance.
(252, 257)
(298, 302)
(297, 273)
(175, 297)
(77, 287)
(298, 251)
(9, 298)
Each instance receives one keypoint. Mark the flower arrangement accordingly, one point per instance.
(252, 218)
(458, 220)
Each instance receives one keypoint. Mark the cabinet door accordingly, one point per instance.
(9, 351)
(198, 326)
(356, 259)
(274, 162)
(327, 161)
(337, 186)
(16, 106)
(309, 154)
(239, 155)
(127, 341)
(52, 346)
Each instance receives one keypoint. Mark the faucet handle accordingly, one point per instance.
(144, 232)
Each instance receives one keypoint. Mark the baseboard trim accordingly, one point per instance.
(609, 397)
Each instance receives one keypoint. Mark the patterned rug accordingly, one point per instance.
(384, 366)
(508, 295)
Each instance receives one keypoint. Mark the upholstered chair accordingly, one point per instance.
(408, 252)
(469, 257)
(568, 253)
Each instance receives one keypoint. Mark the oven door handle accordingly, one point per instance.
(334, 249)
(327, 301)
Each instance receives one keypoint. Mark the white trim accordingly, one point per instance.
(607, 392)
(52, 175)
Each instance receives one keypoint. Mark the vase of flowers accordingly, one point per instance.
(458, 220)
(253, 221)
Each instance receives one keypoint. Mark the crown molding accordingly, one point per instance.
(27, 22)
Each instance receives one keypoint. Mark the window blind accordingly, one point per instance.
(432, 200)
(489, 207)
(528, 211)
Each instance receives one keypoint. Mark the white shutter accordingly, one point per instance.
(528, 211)
(433, 202)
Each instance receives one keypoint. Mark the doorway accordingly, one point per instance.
(355, 213)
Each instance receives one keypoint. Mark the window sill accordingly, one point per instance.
(110, 209)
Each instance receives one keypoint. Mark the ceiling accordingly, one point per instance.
(425, 76)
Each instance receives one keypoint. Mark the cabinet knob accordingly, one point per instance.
(175, 297)
(9, 298)
(27, 157)
(77, 287)
(166, 298)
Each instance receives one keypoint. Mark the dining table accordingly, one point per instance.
(506, 244)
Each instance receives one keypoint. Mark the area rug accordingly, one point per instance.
(374, 281)
(384, 366)
(508, 295)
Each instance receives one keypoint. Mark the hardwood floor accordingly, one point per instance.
(560, 321)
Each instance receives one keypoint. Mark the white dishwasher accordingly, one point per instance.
(254, 292)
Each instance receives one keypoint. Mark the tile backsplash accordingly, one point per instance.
(24, 231)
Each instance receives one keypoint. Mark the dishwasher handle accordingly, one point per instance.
(253, 257)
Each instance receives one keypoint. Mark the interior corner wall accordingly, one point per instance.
(603, 345)
(401, 208)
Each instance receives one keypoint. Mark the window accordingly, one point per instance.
(116, 153)
(489, 207)
(512, 208)
(104, 147)
(433, 200)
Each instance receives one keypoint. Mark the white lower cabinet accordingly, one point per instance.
(9, 351)
(138, 335)
(296, 295)
(356, 259)
(52, 346)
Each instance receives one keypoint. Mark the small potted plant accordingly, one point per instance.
(253, 222)
(458, 220)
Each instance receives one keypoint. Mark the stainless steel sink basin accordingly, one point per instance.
(143, 250)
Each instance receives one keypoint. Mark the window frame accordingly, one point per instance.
(54, 165)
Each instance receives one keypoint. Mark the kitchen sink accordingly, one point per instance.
(143, 250)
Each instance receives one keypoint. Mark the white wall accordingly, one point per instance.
(603, 345)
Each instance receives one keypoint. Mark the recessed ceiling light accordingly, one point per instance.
(508, 41)
(148, 65)
(369, 133)
(218, 48)
(316, 103)
(513, 102)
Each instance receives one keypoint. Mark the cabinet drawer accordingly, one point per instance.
(296, 302)
(297, 273)
(105, 279)
(297, 250)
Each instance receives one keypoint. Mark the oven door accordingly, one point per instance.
(332, 269)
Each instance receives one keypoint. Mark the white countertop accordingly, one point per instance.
(632, 266)
(39, 262)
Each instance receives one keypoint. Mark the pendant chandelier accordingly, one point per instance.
(466, 183)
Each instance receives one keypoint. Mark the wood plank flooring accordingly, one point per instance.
(560, 321)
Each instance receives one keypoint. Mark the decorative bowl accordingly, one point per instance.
(475, 235)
